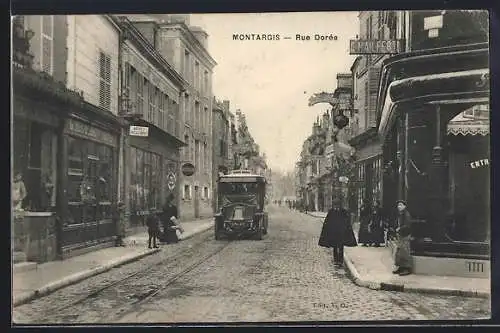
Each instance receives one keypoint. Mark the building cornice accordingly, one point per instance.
(151, 54)
(193, 43)
(114, 22)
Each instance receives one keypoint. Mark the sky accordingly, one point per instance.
(272, 80)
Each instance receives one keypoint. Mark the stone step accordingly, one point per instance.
(25, 266)
(18, 257)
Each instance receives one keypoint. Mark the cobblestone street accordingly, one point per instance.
(285, 277)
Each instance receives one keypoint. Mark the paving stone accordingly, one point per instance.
(284, 277)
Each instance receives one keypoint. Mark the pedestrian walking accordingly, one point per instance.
(402, 257)
(337, 232)
(376, 226)
(153, 224)
(365, 216)
(169, 218)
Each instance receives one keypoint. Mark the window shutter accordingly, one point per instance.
(104, 81)
(374, 77)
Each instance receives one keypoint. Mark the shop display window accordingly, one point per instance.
(468, 146)
(90, 181)
(145, 181)
(34, 162)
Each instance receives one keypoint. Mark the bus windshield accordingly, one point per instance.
(238, 188)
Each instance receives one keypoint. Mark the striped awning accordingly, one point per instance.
(473, 121)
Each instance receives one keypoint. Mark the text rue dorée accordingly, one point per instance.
(275, 37)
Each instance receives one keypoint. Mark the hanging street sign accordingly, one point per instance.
(139, 131)
(187, 169)
(361, 46)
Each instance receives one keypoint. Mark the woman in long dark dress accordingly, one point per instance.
(365, 216)
(337, 232)
(376, 227)
(168, 216)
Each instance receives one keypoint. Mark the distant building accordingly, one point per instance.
(222, 119)
(374, 25)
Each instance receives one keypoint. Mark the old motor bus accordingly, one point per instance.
(240, 205)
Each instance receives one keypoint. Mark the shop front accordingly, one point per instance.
(39, 107)
(152, 173)
(434, 121)
(368, 168)
(89, 179)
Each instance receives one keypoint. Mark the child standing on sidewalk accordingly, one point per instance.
(153, 224)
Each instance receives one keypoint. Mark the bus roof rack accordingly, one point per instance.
(240, 171)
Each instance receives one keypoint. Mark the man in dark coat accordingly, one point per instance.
(337, 232)
(376, 227)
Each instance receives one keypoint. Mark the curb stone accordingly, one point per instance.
(77, 277)
(355, 277)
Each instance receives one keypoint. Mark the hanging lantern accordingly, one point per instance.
(340, 121)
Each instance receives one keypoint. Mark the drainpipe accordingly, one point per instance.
(121, 143)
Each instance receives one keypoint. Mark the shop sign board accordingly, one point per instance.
(187, 169)
(363, 46)
(139, 131)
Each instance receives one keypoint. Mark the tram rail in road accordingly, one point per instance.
(161, 267)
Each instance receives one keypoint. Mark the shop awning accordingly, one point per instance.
(473, 121)
(461, 87)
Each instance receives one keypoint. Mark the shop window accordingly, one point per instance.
(145, 181)
(34, 184)
(468, 145)
(90, 180)
(104, 81)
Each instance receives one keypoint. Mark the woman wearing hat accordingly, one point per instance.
(337, 232)
(402, 257)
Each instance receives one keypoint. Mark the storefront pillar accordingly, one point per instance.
(438, 176)
(126, 179)
(62, 185)
(400, 155)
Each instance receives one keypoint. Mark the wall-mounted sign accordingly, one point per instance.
(359, 46)
(479, 163)
(433, 22)
(139, 131)
(171, 179)
(187, 169)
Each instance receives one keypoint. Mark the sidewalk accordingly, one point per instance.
(51, 276)
(190, 228)
(372, 267)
